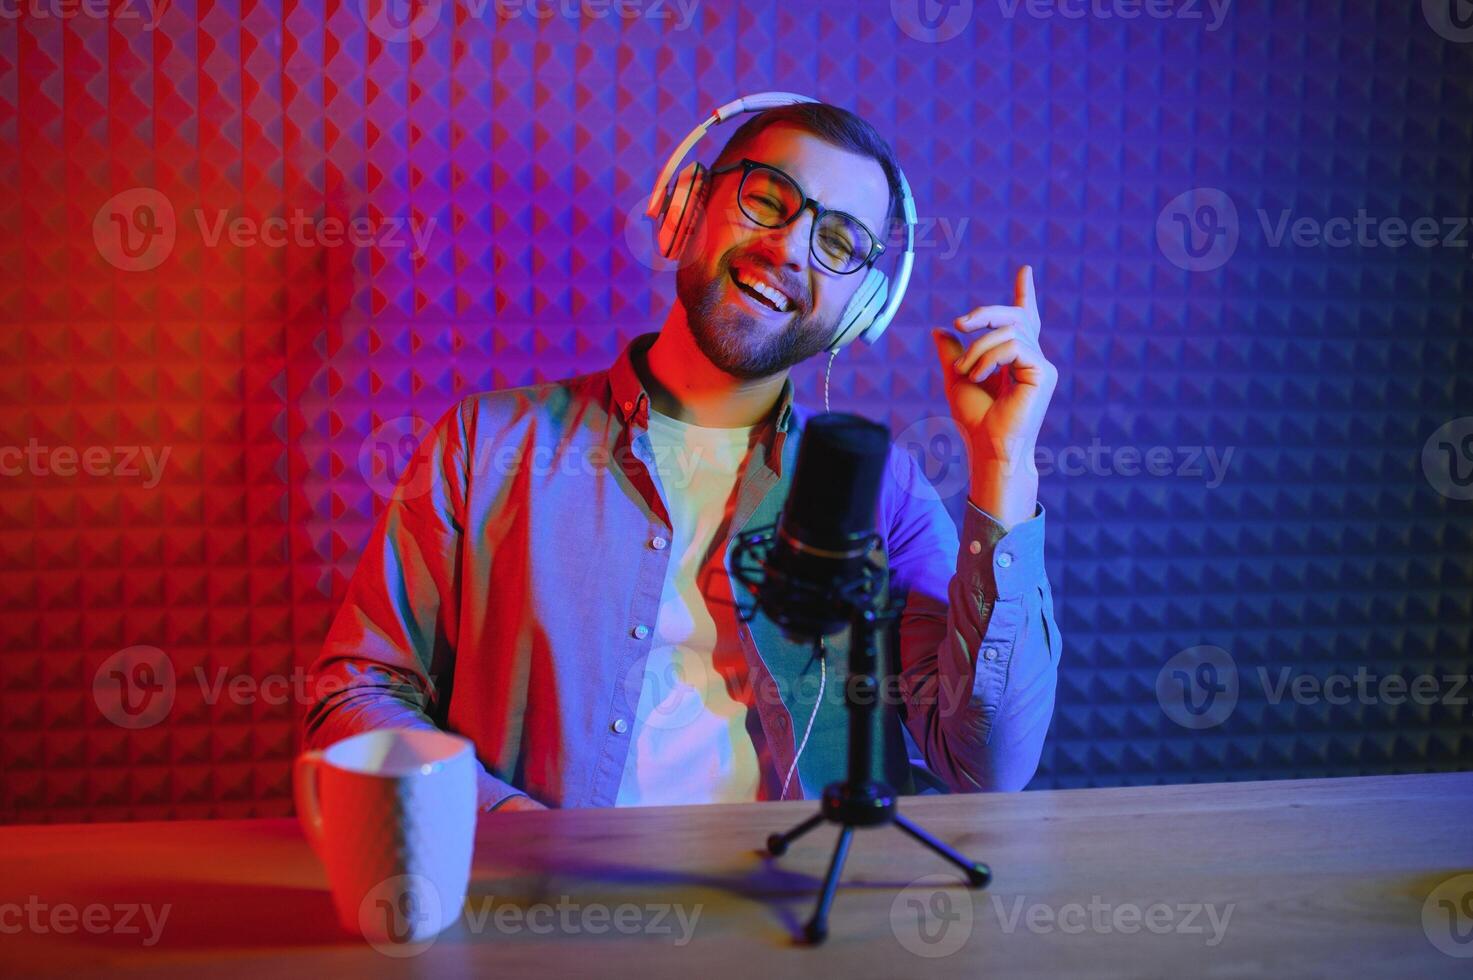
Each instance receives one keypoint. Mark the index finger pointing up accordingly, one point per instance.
(1023, 294)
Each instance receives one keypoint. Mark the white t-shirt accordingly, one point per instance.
(691, 740)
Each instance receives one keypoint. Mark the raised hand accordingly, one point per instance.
(998, 389)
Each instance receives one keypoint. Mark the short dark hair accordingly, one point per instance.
(836, 126)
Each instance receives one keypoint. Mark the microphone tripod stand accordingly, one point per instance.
(860, 800)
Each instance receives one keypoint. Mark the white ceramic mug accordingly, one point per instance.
(392, 815)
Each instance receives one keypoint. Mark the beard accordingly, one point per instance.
(743, 344)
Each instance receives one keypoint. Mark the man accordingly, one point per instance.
(566, 543)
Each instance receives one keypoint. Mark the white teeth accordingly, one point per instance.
(775, 297)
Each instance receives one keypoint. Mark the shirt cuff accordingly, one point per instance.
(491, 792)
(1001, 563)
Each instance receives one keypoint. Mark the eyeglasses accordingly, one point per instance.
(768, 197)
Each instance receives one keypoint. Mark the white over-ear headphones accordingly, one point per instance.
(874, 304)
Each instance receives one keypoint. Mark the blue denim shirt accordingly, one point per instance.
(508, 593)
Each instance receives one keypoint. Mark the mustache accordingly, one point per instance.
(791, 285)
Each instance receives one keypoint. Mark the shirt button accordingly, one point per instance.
(620, 725)
(641, 631)
(658, 543)
(629, 406)
(975, 547)
(1004, 560)
(990, 653)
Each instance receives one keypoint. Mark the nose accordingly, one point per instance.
(790, 243)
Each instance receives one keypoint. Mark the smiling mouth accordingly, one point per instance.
(762, 294)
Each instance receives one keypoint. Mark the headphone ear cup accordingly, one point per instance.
(682, 210)
(864, 306)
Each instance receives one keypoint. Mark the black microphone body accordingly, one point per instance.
(820, 548)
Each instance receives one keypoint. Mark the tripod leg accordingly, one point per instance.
(978, 874)
(818, 926)
(777, 844)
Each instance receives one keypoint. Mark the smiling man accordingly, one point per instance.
(552, 579)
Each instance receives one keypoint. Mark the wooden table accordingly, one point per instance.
(1332, 878)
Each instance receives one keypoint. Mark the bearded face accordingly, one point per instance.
(734, 320)
(755, 301)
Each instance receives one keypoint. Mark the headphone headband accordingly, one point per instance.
(850, 326)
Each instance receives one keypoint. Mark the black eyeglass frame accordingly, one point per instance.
(746, 166)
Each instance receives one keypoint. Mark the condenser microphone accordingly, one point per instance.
(816, 566)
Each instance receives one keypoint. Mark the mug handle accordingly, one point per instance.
(309, 808)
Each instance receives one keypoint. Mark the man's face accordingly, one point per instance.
(736, 329)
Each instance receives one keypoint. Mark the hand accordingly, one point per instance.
(519, 803)
(998, 389)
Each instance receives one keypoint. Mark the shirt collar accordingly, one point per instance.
(631, 400)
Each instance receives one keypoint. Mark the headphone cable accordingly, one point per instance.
(822, 678)
(828, 369)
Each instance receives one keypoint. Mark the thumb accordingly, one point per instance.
(948, 349)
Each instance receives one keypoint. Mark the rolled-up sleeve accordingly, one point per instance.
(979, 645)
